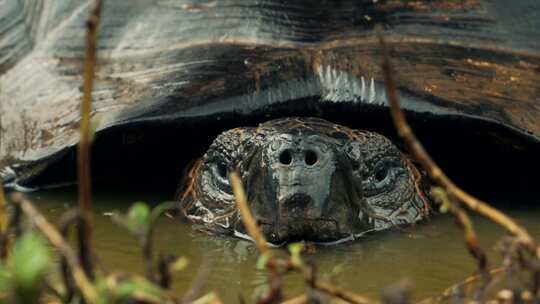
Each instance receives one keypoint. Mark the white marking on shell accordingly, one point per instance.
(372, 91)
(363, 89)
(339, 86)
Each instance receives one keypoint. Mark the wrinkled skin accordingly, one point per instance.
(306, 179)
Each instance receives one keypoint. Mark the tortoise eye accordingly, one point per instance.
(383, 176)
(385, 173)
(221, 172)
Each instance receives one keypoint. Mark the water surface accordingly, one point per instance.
(431, 255)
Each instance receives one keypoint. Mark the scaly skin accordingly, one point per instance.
(306, 179)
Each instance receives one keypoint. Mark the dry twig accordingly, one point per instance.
(3, 224)
(301, 299)
(435, 172)
(471, 280)
(85, 200)
(54, 237)
(67, 220)
(471, 240)
(197, 285)
(339, 293)
(245, 213)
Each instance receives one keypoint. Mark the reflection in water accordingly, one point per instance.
(431, 255)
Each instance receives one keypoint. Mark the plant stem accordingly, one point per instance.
(3, 224)
(245, 213)
(85, 199)
(435, 172)
(81, 279)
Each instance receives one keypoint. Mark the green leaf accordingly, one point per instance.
(338, 269)
(30, 259)
(158, 210)
(29, 262)
(443, 208)
(138, 289)
(210, 297)
(441, 196)
(136, 220)
(139, 218)
(125, 290)
(179, 264)
(5, 279)
(263, 260)
(296, 249)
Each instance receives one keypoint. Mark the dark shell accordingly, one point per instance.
(182, 62)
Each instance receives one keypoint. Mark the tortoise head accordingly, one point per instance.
(306, 179)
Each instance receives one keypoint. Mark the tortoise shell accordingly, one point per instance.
(185, 66)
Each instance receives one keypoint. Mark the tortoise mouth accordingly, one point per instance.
(321, 231)
(296, 206)
(294, 229)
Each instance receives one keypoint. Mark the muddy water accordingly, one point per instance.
(431, 255)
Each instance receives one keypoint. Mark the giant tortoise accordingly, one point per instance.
(172, 75)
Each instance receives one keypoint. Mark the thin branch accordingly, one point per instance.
(471, 280)
(245, 213)
(15, 222)
(147, 239)
(67, 220)
(274, 294)
(4, 221)
(141, 295)
(85, 199)
(197, 285)
(54, 237)
(435, 172)
(340, 293)
(3, 210)
(471, 240)
(301, 299)
(148, 256)
(465, 223)
(164, 270)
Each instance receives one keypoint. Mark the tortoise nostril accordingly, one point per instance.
(311, 158)
(285, 157)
